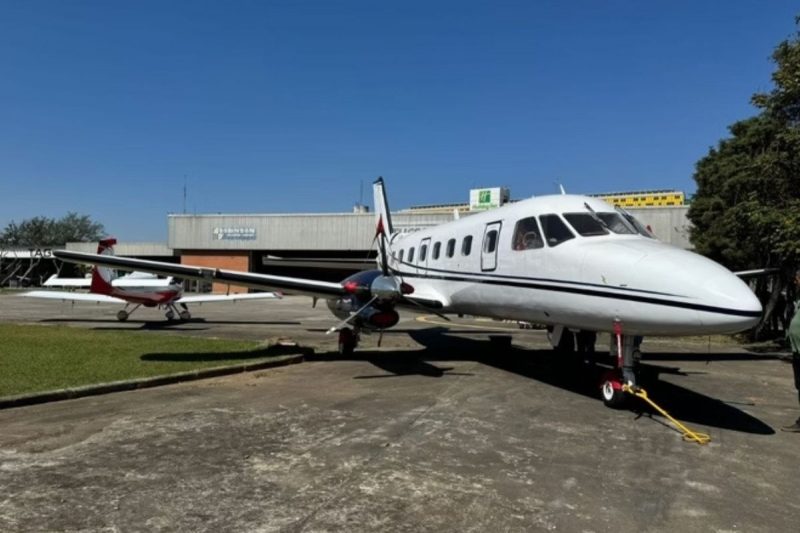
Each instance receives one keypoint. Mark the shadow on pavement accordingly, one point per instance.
(546, 367)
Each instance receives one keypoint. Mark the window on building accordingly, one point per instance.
(527, 235)
(436, 248)
(585, 224)
(466, 245)
(555, 231)
(451, 248)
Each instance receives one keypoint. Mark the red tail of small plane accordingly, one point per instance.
(103, 276)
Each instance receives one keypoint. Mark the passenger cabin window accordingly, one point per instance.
(451, 247)
(411, 255)
(436, 248)
(585, 224)
(527, 235)
(423, 253)
(466, 245)
(555, 231)
(400, 256)
(490, 243)
(616, 224)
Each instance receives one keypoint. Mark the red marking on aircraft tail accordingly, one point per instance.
(379, 230)
(104, 244)
(99, 285)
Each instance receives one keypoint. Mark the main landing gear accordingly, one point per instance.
(348, 340)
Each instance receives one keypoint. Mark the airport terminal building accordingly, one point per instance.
(328, 246)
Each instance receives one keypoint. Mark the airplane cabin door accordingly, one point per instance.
(491, 239)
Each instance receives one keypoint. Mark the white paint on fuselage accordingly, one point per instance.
(583, 283)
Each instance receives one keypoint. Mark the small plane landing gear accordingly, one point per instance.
(348, 340)
(170, 315)
(124, 314)
(185, 315)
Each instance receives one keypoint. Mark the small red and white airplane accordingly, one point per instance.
(135, 290)
(574, 263)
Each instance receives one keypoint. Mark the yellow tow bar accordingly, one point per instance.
(688, 434)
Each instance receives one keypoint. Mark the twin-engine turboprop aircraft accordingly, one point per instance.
(567, 261)
(135, 290)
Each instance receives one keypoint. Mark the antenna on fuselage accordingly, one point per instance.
(560, 186)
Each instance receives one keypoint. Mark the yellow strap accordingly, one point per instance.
(688, 434)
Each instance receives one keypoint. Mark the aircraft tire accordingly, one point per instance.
(613, 395)
(122, 315)
(185, 315)
(347, 342)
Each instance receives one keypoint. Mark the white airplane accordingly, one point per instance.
(571, 262)
(135, 289)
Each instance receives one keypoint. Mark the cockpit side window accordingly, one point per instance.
(555, 231)
(527, 235)
(644, 231)
(616, 223)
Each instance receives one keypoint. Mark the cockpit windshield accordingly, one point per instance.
(640, 228)
(585, 224)
(617, 224)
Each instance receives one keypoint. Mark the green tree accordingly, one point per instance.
(40, 232)
(746, 212)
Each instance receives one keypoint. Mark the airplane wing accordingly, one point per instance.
(73, 296)
(320, 289)
(208, 298)
(55, 281)
(756, 272)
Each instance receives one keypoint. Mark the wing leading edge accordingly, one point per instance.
(320, 289)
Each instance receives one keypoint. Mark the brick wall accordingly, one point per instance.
(228, 261)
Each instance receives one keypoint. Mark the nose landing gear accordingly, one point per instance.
(625, 371)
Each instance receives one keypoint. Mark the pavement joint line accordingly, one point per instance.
(21, 400)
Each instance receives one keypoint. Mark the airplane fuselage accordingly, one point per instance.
(550, 260)
(147, 292)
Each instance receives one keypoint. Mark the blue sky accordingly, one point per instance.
(289, 106)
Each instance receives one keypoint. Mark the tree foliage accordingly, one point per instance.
(746, 212)
(40, 232)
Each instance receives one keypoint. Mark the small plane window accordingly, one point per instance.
(644, 231)
(411, 255)
(400, 256)
(585, 224)
(466, 246)
(490, 242)
(423, 253)
(436, 248)
(616, 223)
(451, 247)
(527, 235)
(555, 231)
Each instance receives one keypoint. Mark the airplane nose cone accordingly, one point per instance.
(723, 302)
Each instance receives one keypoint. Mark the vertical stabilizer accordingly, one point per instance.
(103, 276)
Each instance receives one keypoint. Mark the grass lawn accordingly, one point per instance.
(41, 358)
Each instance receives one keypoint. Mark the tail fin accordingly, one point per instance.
(103, 276)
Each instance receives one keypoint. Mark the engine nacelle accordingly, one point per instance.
(378, 319)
